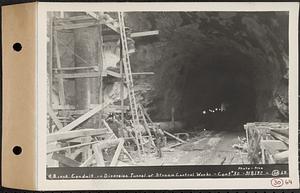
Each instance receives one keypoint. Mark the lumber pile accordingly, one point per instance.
(86, 147)
(268, 142)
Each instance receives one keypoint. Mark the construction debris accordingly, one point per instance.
(80, 135)
(242, 145)
(267, 142)
(103, 122)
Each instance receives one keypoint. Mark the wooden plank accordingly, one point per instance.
(98, 155)
(54, 118)
(107, 110)
(122, 95)
(143, 73)
(100, 71)
(144, 33)
(61, 90)
(132, 35)
(109, 129)
(115, 37)
(75, 140)
(88, 161)
(137, 141)
(97, 148)
(63, 107)
(65, 160)
(187, 136)
(50, 60)
(272, 146)
(283, 131)
(147, 126)
(113, 27)
(119, 107)
(76, 68)
(147, 115)
(72, 107)
(70, 147)
(175, 145)
(280, 137)
(141, 139)
(109, 21)
(51, 162)
(263, 156)
(112, 73)
(281, 157)
(109, 143)
(128, 155)
(115, 137)
(73, 18)
(93, 15)
(78, 75)
(85, 116)
(75, 134)
(76, 25)
(76, 153)
(86, 151)
(117, 153)
(88, 75)
(173, 136)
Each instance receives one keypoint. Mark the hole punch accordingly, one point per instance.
(17, 150)
(17, 47)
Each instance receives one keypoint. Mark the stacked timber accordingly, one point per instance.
(85, 147)
(268, 142)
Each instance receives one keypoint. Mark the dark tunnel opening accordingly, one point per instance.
(227, 62)
(218, 91)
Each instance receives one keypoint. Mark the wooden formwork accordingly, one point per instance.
(78, 135)
(267, 142)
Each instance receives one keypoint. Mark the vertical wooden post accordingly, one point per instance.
(98, 155)
(86, 89)
(122, 98)
(86, 150)
(147, 126)
(61, 91)
(50, 64)
(100, 70)
(54, 118)
(263, 156)
(138, 142)
(117, 153)
(172, 117)
(50, 68)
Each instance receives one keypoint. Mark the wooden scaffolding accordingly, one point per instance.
(78, 133)
(267, 142)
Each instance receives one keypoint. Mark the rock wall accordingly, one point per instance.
(200, 50)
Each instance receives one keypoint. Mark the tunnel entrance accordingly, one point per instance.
(218, 90)
(202, 63)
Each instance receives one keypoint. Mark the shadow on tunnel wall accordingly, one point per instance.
(202, 60)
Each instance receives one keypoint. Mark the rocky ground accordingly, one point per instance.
(203, 148)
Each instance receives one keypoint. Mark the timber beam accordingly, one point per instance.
(85, 116)
(65, 160)
(74, 134)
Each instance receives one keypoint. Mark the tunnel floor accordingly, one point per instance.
(203, 148)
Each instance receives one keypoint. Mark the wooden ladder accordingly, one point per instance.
(147, 123)
(129, 82)
(127, 69)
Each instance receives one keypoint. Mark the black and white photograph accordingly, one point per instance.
(168, 90)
